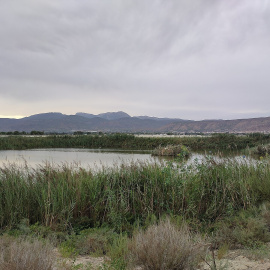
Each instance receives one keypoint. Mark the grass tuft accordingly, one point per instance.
(31, 254)
(164, 246)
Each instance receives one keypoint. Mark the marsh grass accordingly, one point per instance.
(125, 141)
(74, 206)
(63, 198)
(29, 254)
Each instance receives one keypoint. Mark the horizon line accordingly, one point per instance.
(212, 119)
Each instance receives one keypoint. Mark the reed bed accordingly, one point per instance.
(124, 141)
(61, 196)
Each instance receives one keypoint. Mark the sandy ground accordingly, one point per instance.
(234, 260)
(238, 260)
(95, 262)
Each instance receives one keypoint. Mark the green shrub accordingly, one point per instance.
(262, 150)
(243, 230)
(40, 232)
(118, 252)
(171, 150)
(94, 241)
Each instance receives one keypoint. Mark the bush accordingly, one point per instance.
(262, 150)
(25, 254)
(93, 241)
(172, 150)
(243, 230)
(164, 246)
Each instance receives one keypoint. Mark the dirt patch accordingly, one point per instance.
(67, 263)
(235, 260)
(95, 262)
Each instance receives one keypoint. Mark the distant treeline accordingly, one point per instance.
(132, 142)
(33, 132)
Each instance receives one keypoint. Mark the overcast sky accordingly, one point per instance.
(190, 59)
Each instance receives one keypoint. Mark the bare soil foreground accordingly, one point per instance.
(233, 260)
(239, 260)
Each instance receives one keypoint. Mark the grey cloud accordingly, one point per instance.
(173, 58)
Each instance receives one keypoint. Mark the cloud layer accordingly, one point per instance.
(193, 59)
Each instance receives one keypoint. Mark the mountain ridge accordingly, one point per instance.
(123, 122)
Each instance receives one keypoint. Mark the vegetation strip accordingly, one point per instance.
(121, 212)
(123, 196)
(125, 214)
(124, 141)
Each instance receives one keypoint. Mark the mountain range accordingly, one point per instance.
(123, 122)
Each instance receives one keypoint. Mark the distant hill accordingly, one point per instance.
(87, 115)
(161, 119)
(50, 115)
(108, 115)
(113, 115)
(122, 122)
(261, 124)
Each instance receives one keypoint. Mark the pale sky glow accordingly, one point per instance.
(12, 116)
(190, 59)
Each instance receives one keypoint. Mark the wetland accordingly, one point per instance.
(53, 188)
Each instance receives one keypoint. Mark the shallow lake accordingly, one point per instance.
(92, 158)
(86, 158)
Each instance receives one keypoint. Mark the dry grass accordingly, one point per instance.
(18, 254)
(164, 247)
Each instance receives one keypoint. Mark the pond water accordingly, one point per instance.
(95, 158)
(86, 158)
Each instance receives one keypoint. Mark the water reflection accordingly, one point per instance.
(96, 158)
(86, 158)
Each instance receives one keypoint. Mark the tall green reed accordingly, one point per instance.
(121, 196)
(124, 141)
